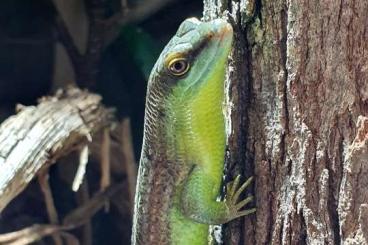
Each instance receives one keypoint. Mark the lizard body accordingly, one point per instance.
(182, 159)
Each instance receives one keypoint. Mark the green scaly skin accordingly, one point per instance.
(182, 160)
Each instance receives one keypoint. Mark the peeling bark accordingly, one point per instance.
(38, 135)
(298, 83)
(353, 198)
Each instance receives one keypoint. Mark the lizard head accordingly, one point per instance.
(197, 52)
(186, 91)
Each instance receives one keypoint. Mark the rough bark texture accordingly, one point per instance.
(37, 136)
(298, 83)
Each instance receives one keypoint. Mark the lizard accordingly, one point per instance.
(182, 159)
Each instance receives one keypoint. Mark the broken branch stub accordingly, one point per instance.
(38, 135)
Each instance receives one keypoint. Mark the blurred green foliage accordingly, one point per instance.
(141, 46)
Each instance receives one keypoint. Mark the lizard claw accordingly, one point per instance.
(233, 193)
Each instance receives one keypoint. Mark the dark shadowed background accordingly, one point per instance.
(29, 34)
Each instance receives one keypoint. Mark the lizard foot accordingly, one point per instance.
(232, 196)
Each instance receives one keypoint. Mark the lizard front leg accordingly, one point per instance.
(199, 194)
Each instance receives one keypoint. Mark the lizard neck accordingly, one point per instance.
(196, 123)
(157, 172)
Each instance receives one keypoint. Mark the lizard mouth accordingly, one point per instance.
(218, 38)
(226, 30)
(222, 30)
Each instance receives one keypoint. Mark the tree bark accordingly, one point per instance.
(38, 136)
(298, 120)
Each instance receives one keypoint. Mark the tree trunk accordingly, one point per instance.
(298, 85)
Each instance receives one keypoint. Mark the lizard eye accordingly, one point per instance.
(178, 66)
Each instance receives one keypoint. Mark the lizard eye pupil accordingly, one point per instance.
(179, 66)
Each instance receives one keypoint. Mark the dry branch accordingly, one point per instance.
(74, 219)
(38, 135)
